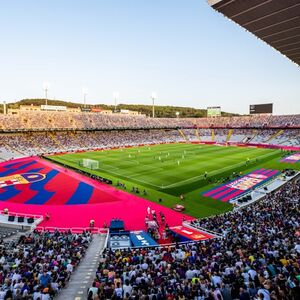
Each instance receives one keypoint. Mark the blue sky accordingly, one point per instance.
(181, 49)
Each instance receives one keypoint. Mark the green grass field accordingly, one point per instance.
(169, 170)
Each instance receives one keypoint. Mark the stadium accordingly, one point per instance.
(124, 205)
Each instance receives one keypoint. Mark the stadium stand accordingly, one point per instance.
(6, 232)
(252, 252)
(39, 265)
(66, 120)
(14, 145)
(257, 258)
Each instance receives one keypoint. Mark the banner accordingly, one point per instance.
(191, 234)
(95, 109)
(241, 185)
(53, 107)
(141, 238)
(292, 159)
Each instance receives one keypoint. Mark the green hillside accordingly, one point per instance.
(160, 111)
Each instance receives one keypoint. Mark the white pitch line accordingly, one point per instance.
(126, 176)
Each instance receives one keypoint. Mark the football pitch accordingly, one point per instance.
(166, 171)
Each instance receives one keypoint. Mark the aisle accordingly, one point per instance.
(83, 276)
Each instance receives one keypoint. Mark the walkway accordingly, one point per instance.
(83, 276)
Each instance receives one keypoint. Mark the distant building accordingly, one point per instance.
(101, 111)
(129, 112)
(23, 108)
(34, 108)
(60, 108)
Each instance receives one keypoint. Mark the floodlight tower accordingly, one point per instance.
(4, 108)
(116, 97)
(84, 93)
(46, 89)
(153, 97)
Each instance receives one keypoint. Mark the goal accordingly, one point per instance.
(89, 163)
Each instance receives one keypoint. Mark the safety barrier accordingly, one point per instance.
(95, 230)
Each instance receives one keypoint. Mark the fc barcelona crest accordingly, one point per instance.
(24, 178)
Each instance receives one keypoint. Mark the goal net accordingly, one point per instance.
(89, 163)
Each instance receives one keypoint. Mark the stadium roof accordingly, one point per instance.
(277, 22)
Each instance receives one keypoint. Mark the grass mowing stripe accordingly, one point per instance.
(216, 172)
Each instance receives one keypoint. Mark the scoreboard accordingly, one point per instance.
(261, 108)
(214, 111)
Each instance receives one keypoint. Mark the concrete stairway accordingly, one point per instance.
(82, 278)
(56, 141)
(183, 135)
(197, 134)
(229, 135)
(255, 133)
(273, 136)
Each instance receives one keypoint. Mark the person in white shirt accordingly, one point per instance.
(16, 276)
(246, 277)
(265, 293)
(127, 288)
(252, 274)
(216, 280)
(70, 267)
(189, 274)
(144, 266)
(119, 291)
(45, 297)
(93, 289)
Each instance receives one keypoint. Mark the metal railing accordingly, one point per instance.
(95, 230)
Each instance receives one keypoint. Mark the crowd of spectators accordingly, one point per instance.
(255, 121)
(70, 120)
(59, 141)
(257, 257)
(37, 266)
(67, 120)
(35, 143)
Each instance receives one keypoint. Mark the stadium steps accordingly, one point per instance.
(16, 236)
(229, 135)
(273, 136)
(255, 133)
(197, 134)
(78, 141)
(183, 135)
(15, 150)
(289, 140)
(36, 145)
(57, 142)
(83, 276)
(73, 135)
(213, 135)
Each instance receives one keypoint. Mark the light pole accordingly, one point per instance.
(84, 92)
(177, 114)
(116, 97)
(4, 108)
(153, 97)
(46, 89)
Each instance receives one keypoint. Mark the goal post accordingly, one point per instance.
(89, 163)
